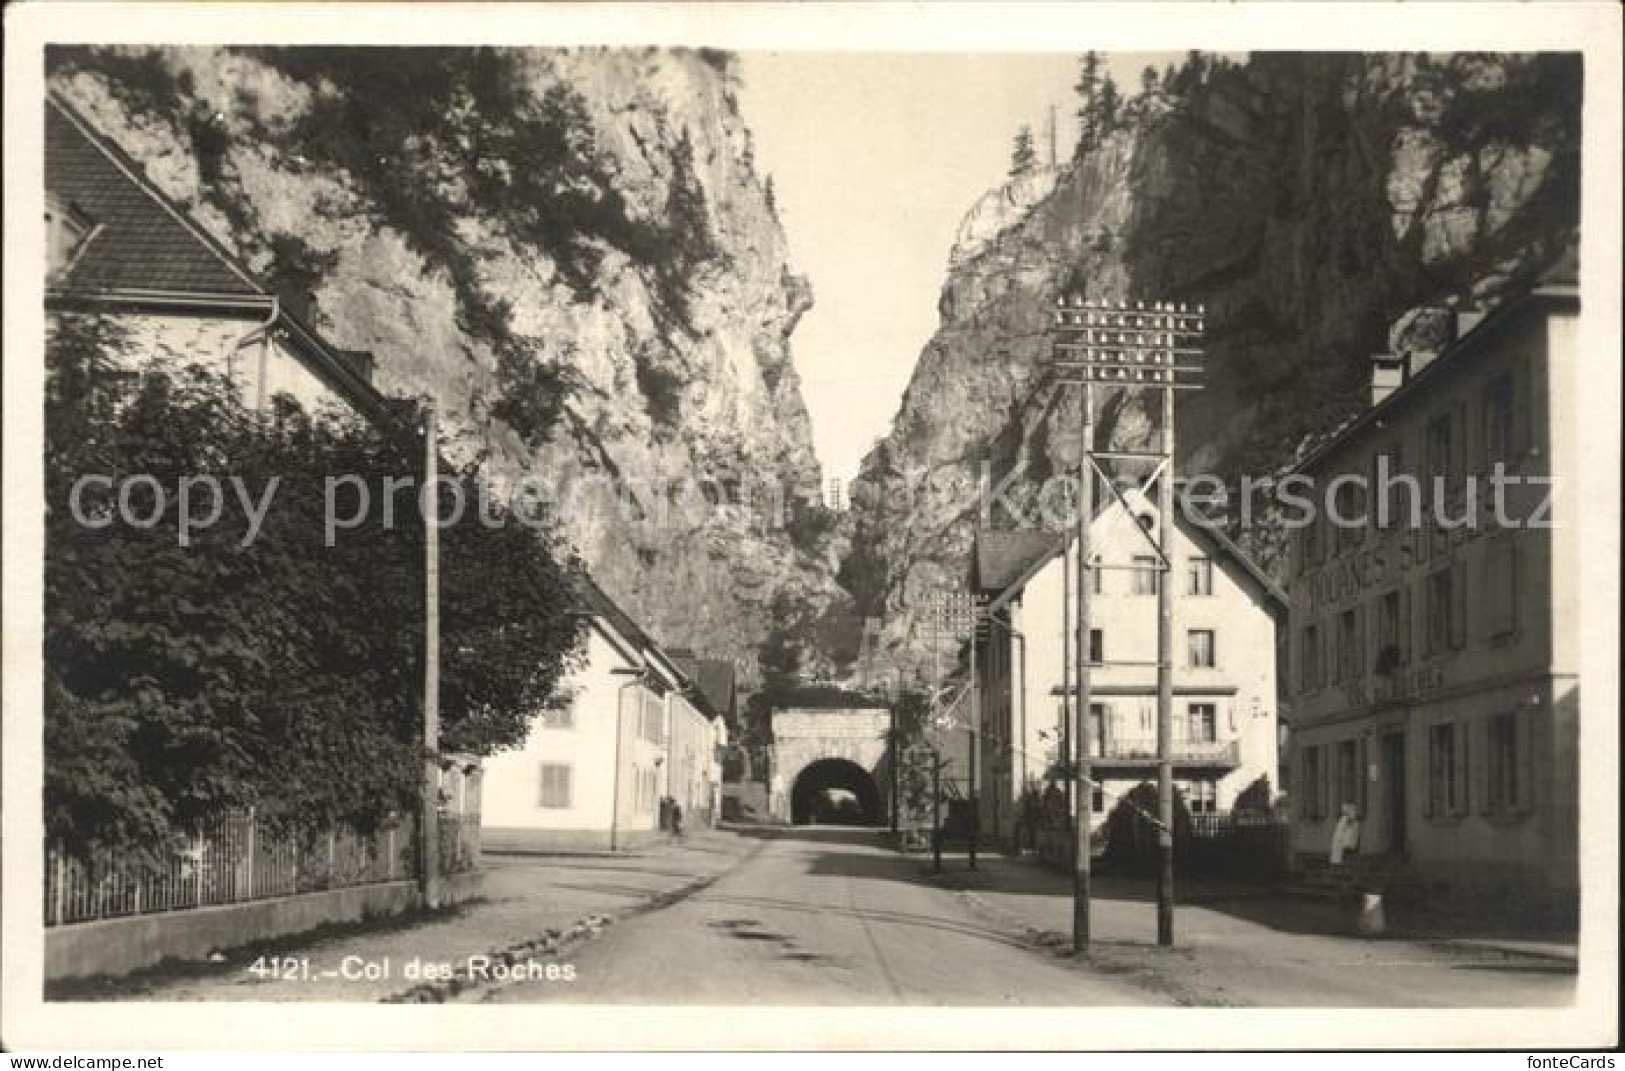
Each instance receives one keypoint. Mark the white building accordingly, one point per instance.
(1226, 618)
(1436, 654)
(628, 731)
(118, 247)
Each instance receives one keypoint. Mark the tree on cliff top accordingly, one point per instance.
(1088, 90)
(1023, 157)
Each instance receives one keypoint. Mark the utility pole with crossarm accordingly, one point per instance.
(1118, 346)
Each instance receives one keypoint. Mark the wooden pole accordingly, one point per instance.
(429, 825)
(1081, 877)
(1165, 682)
(1064, 745)
(895, 759)
(936, 812)
(974, 818)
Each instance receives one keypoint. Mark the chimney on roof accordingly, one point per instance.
(1388, 374)
(1421, 334)
(1466, 320)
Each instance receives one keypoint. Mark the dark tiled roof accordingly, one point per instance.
(1001, 557)
(595, 601)
(713, 676)
(140, 240)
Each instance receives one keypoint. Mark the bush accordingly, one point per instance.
(276, 672)
(1132, 835)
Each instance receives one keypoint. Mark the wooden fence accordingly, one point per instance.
(1231, 844)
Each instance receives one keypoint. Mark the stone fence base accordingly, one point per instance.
(118, 946)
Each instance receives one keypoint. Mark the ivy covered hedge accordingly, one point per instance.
(282, 674)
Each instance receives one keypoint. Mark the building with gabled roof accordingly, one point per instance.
(628, 735)
(1435, 650)
(118, 246)
(1226, 619)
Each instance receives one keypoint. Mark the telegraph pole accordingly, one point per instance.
(1065, 743)
(1085, 785)
(429, 820)
(1165, 682)
(1122, 347)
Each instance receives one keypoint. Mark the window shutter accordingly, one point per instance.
(1486, 764)
(1464, 767)
(1522, 426)
(1524, 730)
(1322, 808)
(1458, 444)
(1430, 772)
(1405, 624)
(1458, 605)
(1361, 775)
(1512, 588)
(1299, 798)
(1361, 665)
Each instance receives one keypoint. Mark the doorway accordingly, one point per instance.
(1393, 772)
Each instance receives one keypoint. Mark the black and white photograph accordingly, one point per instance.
(699, 523)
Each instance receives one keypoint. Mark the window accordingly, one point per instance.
(1392, 501)
(1202, 797)
(1097, 647)
(1351, 774)
(1310, 789)
(1098, 577)
(1200, 572)
(1496, 410)
(1507, 774)
(1350, 520)
(1393, 633)
(1309, 659)
(1446, 611)
(652, 720)
(555, 785)
(1438, 605)
(562, 716)
(1098, 714)
(1500, 588)
(66, 228)
(1200, 646)
(1312, 549)
(1202, 723)
(1145, 574)
(1447, 770)
(1440, 444)
(1350, 653)
(1097, 800)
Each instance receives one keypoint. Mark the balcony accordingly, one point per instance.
(1139, 751)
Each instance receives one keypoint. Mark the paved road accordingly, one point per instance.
(821, 916)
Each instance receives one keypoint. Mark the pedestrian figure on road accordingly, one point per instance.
(676, 820)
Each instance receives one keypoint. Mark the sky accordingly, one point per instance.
(875, 159)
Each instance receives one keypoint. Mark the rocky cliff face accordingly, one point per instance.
(569, 250)
(1306, 200)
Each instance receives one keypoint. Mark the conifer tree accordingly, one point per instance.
(1088, 90)
(1023, 157)
(1106, 107)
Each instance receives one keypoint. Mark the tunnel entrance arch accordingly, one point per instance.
(836, 792)
(843, 753)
